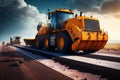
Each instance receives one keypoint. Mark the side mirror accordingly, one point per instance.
(80, 13)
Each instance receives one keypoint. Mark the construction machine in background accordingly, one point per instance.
(68, 33)
(15, 40)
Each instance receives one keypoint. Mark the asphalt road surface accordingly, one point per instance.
(16, 66)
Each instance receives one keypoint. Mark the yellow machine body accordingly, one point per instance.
(81, 37)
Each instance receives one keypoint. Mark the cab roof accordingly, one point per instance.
(62, 10)
(87, 17)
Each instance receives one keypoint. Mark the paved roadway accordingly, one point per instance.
(104, 62)
(16, 66)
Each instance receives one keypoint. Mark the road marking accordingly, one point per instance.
(104, 63)
(109, 55)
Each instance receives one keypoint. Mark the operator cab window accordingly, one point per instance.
(53, 21)
(59, 18)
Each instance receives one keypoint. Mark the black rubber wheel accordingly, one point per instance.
(39, 42)
(63, 42)
(46, 43)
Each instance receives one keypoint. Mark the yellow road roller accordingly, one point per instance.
(68, 32)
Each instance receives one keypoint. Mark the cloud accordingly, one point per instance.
(5, 3)
(84, 5)
(111, 6)
(97, 6)
(19, 18)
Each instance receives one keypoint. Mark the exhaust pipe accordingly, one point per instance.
(80, 13)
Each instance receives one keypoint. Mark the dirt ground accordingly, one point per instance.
(16, 66)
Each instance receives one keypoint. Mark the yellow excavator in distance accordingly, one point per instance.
(67, 33)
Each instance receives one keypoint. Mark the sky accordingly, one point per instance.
(21, 17)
